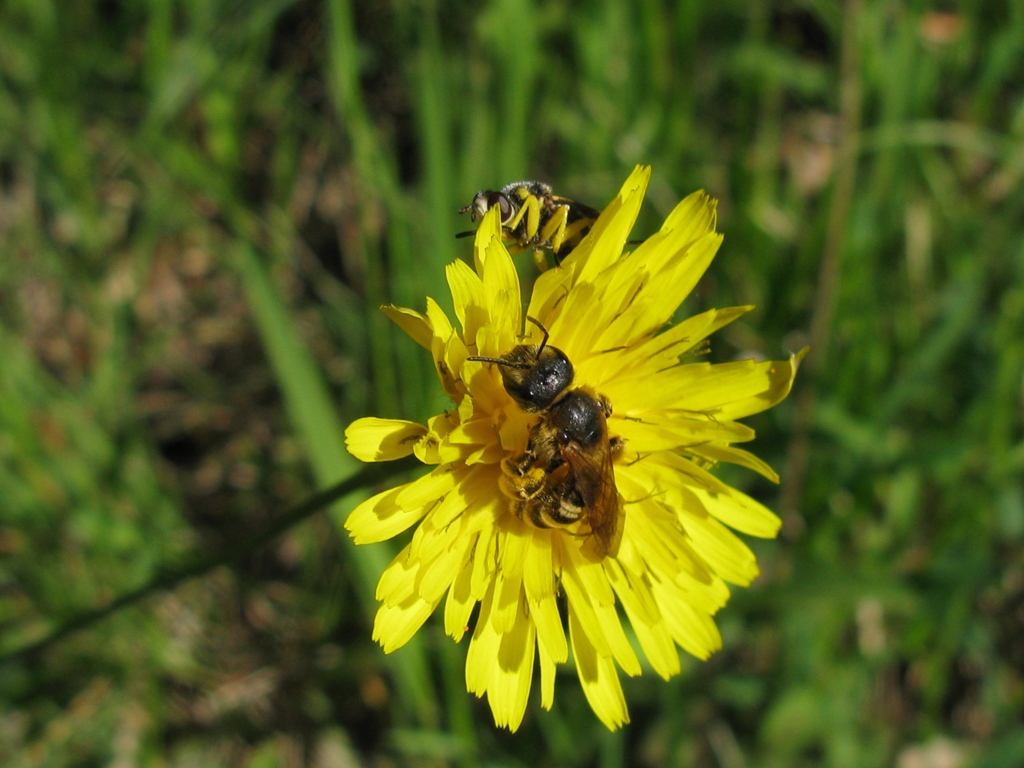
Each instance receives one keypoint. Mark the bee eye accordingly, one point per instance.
(504, 206)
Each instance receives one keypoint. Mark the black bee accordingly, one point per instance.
(566, 472)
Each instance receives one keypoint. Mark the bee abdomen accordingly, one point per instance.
(550, 510)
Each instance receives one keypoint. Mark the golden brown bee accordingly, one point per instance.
(566, 472)
(532, 216)
(571, 451)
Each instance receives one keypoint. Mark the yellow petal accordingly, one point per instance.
(725, 390)
(574, 327)
(629, 579)
(693, 630)
(429, 488)
(416, 324)
(547, 676)
(514, 432)
(509, 690)
(549, 291)
(488, 231)
(658, 646)
(539, 583)
(440, 323)
(622, 651)
(716, 452)
(687, 334)
(468, 297)
(659, 430)
(694, 216)
(657, 534)
(729, 557)
(501, 287)
(372, 439)
(708, 597)
(658, 352)
(549, 628)
(590, 576)
(395, 625)
(764, 385)
(440, 349)
(437, 575)
(640, 293)
(509, 577)
(485, 514)
(598, 677)
(501, 665)
(477, 487)
(479, 431)
(483, 648)
(453, 355)
(588, 590)
(722, 501)
(737, 510)
(651, 632)
(611, 230)
(397, 582)
(488, 454)
(380, 517)
(432, 538)
(460, 603)
(434, 448)
(668, 287)
(484, 558)
(538, 567)
(618, 303)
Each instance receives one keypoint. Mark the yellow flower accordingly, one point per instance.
(608, 311)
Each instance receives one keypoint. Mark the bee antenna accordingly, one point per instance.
(499, 361)
(544, 330)
(467, 233)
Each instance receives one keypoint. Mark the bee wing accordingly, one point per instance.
(594, 477)
(577, 209)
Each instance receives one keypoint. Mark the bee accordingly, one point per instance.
(533, 216)
(566, 474)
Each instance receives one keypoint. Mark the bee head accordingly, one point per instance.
(535, 376)
(487, 199)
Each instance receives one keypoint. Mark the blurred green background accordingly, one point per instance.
(203, 203)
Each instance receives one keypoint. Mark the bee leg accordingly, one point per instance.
(518, 466)
(530, 208)
(576, 228)
(540, 259)
(520, 480)
(525, 487)
(618, 446)
(554, 229)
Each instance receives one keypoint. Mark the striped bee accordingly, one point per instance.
(534, 217)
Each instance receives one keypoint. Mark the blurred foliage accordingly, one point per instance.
(202, 205)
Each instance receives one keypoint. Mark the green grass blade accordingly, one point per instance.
(317, 425)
